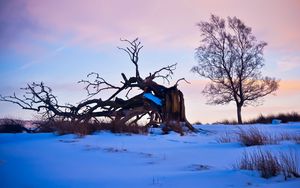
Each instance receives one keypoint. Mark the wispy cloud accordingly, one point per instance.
(289, 63)
(44, 58)
(289, 87)
(169, 22)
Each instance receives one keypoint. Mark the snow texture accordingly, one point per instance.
(129, 161)
(153, 98)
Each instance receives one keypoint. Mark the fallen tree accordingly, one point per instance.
(157, 104)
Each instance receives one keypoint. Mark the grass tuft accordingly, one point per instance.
(253, 136)
(270, 165)
(289, 164)
(290, 136)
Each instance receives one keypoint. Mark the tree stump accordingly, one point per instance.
(173, 111)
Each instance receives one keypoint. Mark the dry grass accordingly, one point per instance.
(61, 127)
(82, 129)
(253, 136)
(284, 117)
(12, 126)
(226, 138)
(291, 137)
(67, 127)
(227, 122)
(289, 164)
(263, 161)
(115, 127)
(270, 165)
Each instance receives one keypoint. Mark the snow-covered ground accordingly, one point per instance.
(122, 160)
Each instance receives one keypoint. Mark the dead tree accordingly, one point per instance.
(158, 104)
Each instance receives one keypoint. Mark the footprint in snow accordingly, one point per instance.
(198, 167)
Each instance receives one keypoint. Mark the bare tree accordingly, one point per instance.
(161, 105)
(231, 58)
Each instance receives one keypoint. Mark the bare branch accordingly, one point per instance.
(97, 85)
(168, 72)
(182, 79)
(133, 52)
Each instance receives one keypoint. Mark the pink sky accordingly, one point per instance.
(40, 32)
(169, 22)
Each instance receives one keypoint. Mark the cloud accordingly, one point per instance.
(289, 87)
(288, 63)
(44, 57)
(168, 23)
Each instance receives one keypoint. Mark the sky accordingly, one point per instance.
(60, 41)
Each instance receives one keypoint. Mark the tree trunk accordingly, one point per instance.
(239, 113)
(173, 111)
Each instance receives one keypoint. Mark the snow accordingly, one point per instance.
(122, 160)
(276, 121)
(153, 98)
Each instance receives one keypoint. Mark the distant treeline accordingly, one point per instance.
(265, 119)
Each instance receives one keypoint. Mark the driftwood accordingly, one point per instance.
(156, 104)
